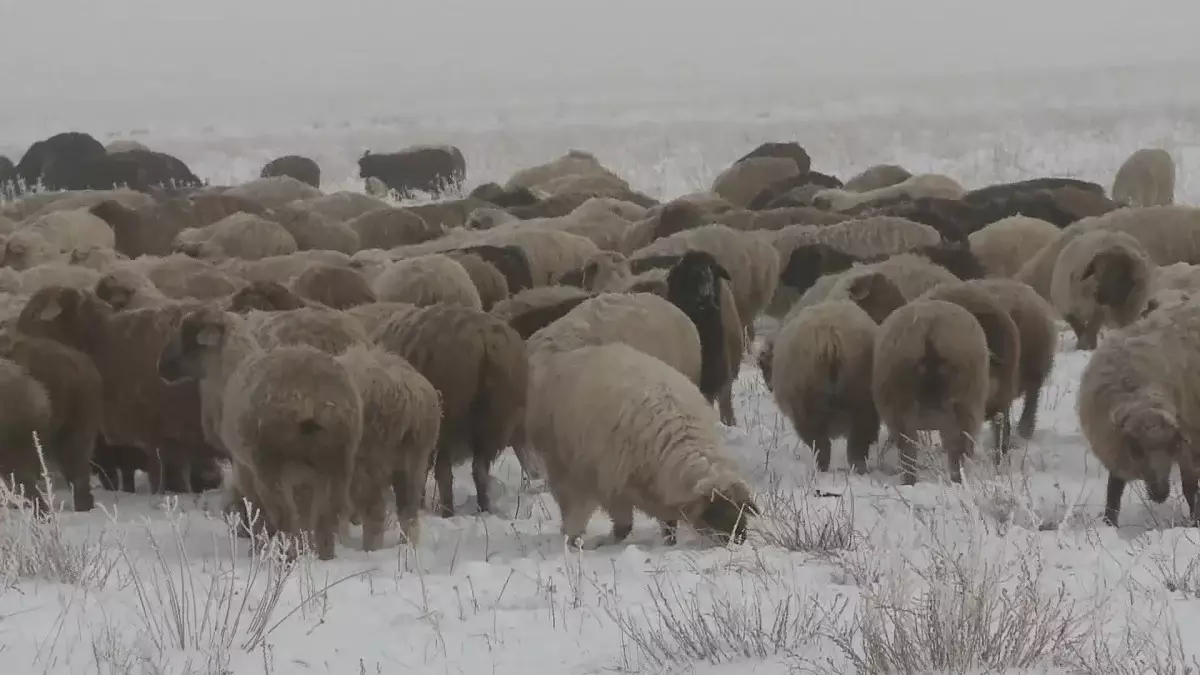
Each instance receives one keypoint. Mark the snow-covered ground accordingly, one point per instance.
(1010, 572)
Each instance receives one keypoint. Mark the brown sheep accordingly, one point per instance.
(265, 296)
(479, 366)
(488, 280)
(390, 227)
(333, 286)
(25, 411)
(76, 406)
(140, 409)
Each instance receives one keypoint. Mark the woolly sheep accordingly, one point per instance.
(290, 417)
(752, 263)
(179, 276)
(914, 187)
(877, 177)
(1004, 352)
(535, 308)
(1007, 244)
(605, 271)
(512, 262)
(140, 409)
(447, 214)
(488, 281)
(931, 373)
(594, 220)
(282, 268)
(426, 280)
(912, 274)
(273, 192)
(862, 238)
(479, 367)
(550, 253)
(334, 286)
(339, 207)
(806, 263)
(373, 315)
(1034, 318)
(957, 259)
(303, 169)
(76, 396)
(390, 227)
(1136, 409)
(742, 181)
(240, 235)
(1101, 278)
(486, 218)
(674, 216)
(57, 274)
(573, 163)
(401, 420)
(127, 288)
(265, 296)
(71, 230)
(25, 409)
(822, 379)
(313, 231)
(328, 330)
(1146, 178)
(620, 429)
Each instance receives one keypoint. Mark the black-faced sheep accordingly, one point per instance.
(24, 412)
(821, 372)
(1004, 246)
(1004, 351)
(430, 169)
(301, 168)
(620, 429)
(427, 280)
(1146, 178)
(1101, 278)
(805, 265)
(479, 366)
(931, 373)
(334, 286)
(290, 417)
(76, 406)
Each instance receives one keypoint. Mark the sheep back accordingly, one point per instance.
(427, 280)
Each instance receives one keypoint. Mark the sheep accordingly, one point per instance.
(674, 216)
(877, 177)
(573, 163)
(1101, 278)
(862, 238)
(26, 410)
(313, 232)
(742, 181)
(595, 220)
(140, 409)
(1007, 244)
(179, 276)
(931, 373)
(273, 192)
(299, 167)
(290, 417)
(401, 420)
(338, 207)
(126, 288)
(550, 253)
(1133, 409)
(914, 187)
(76, 396)
(53, 236)
(488, 217)
(1004, 352)
(1146, 178)
(511, 260)
(333, 286)
(533, 309)
(282, 268)
(57, 274)
(752, 263)
(452, 213)
(432, 169)
(373, 315)
(488, 281)
(912, 274)
(620, 429)
(426, 280)
(124, 145)
(479, 367)
(389, 227)
(821, 379)
(956, 259)
(1179, 276)
(1034, 318)
(240, 235)
(325, 329)
(605, 271)
(805, 265)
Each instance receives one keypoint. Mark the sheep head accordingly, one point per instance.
(1113, 274)
(809, 262)
(694, 281)
(876, 294)
(116, 290)
(201, 334)
(66, 315)
(678, 216)
(724, 514)
(265, 296)
(1149, 431)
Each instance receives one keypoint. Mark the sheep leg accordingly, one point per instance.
(78, 470)
(369, 504)
(1191, 489)
(576, 512)
(325, 511)
(823, 448)
(670, 531)
(409, 487)
(1002, 429)
(858, 445)
(908, 454)
(1112, 500)
(1029, 412)
(444, 477)
(725, 405)
(622, 519)
(481, 472)
(955, 442)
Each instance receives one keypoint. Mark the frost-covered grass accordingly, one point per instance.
(1012, 571)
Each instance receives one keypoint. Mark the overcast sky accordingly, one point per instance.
(70, 58)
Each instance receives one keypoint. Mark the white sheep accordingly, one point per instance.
(241, 235)
(274, 192)
(876, 177)
(1146, 178)
(551, 253)
(426, 280)
(573, 163)
(620, 429)
(911, 188)
(63, 232)
(1101, 278)
(1007, 244)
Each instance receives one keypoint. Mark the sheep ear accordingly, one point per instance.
(858, 292)
(51, 311)
(209, 336)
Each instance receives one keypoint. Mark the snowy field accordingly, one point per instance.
(1012, 571)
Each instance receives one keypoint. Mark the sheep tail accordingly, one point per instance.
(931, 381)
(502, 385)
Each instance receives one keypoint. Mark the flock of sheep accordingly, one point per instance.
(335, 348)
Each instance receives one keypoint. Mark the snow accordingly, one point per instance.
(1010, 572)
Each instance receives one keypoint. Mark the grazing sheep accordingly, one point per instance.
(504, 197)
(511, 260)
(1034, 318)
(805, 265)
(573, 163)
(67, 231)
(620, 429)
(954, 219)
(141, 170)
(54, 161)
(752, 263)
(1133, 409)
(313, 231)
(328, 330)
(333, 286)
(301, 168)
(390, 227)
(790, 149)
(401, 420)
(479, 366)
(550, 253)
(339, 207)
(1101, 278)
(914, 187)
(290, 417)
(821, 379)
(76, 396)
(1004, 351)
(273, 192)
(1007, 244)
(1005, 190)
(140, 409)
(373, 315)
(931, 373)
(606, 271)
(595, 219)
(25, 410)
(741, 182)
(126, 288)
(211, 206)
(264, 296)
(433, 169)
(149, 230)
(488, 281)
(242, 235)
(448, 214)
(664, 221)
(1146, 178)
(958, 260)
(533, 309)
(912, 274)
(487, 218)
(877, 177)
(862, 238)
(427, 280)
